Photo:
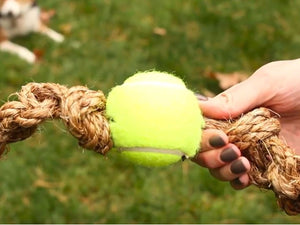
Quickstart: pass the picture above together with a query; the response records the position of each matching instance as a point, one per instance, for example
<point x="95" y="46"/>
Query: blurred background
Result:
<point x="49" y="179"/>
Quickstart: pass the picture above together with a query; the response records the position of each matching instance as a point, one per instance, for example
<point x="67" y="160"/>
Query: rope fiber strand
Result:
<point x="274" y="165"/>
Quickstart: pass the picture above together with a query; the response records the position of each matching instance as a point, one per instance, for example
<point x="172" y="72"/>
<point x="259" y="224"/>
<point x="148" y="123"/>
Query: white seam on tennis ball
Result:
<point x="152" y="150"/>
<point x="155" y="83"/>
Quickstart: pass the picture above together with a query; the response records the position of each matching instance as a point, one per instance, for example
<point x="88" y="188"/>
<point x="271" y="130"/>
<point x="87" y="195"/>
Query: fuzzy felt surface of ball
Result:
<point x="154" y="119"/>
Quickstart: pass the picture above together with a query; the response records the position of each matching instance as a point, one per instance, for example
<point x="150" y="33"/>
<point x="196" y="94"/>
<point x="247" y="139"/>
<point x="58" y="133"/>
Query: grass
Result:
<point x="48" y="179"/>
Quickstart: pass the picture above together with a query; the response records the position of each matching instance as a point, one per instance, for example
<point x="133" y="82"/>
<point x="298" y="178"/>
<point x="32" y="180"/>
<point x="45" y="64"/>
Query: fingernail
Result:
<point x="228" y="155"/>
<point x="201" y="97"/>
<point x="238" y="167"/>
<point x="237" y="182"/>
<point x="216" y="141"/>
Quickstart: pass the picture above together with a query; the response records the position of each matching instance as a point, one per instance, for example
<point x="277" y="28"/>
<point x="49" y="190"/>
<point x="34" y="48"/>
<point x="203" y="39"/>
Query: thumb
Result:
<point x="237" y="99"/>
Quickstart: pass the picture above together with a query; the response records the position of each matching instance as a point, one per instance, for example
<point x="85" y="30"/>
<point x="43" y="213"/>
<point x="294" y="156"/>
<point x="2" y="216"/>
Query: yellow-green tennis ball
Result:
<point x="154" y="119"/>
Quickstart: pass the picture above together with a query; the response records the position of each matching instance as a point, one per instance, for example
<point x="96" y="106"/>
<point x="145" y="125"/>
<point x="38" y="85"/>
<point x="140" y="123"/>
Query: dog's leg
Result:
<point x="22" y="52"/>
<point x="43" y="29"/>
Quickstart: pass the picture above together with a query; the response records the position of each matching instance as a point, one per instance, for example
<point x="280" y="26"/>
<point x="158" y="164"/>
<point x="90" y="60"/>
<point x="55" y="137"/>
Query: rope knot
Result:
<point x="81" y="109"/>
<point x="83" y="112"/>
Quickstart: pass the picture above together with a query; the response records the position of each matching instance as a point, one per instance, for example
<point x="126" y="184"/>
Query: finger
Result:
<point x="201" y="97"/>
<point x="232" y="170"/>
<point x="240" y="182"/>
<point x="237" y="99"/>
<point x="213" y="138"/>
<point x="217" y="157"/>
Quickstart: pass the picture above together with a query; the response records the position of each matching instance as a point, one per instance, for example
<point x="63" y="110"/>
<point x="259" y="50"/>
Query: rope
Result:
<point x="82" y="110"/>
<point x="274" y="165"/>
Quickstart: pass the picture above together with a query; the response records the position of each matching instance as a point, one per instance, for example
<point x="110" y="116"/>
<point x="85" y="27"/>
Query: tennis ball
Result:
<point x="154" y="119"/>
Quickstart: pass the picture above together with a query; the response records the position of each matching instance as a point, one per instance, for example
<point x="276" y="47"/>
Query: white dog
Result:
<point x="20" y="17"/>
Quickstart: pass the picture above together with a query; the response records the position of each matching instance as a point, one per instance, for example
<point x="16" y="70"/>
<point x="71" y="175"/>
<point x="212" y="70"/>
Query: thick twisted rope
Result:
<point x="274" y="165"/>
<point x="81" y="109"/>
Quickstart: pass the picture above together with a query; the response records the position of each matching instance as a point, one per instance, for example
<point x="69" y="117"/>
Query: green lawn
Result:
<point x="49" y="179"/>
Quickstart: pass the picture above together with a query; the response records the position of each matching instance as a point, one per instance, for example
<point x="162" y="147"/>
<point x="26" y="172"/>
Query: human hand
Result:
<point x="276" y="86"/>
<point x="223" y="159"/>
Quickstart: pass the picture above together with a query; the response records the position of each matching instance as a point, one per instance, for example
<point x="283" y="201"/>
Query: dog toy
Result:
<point x="151" y="133"/>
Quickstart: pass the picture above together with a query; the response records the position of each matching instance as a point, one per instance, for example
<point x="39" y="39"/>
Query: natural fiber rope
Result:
<point x="81" y="109"/>
<point x="274" y="165"/>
